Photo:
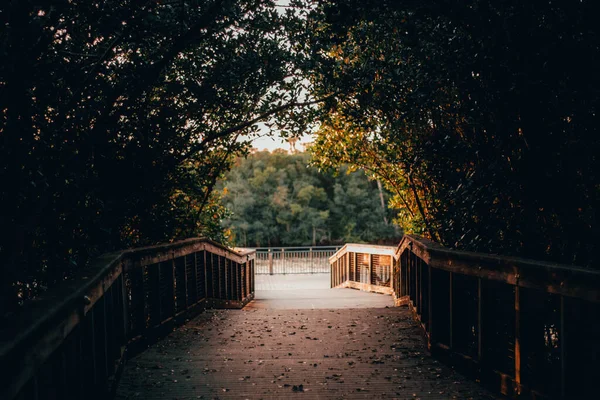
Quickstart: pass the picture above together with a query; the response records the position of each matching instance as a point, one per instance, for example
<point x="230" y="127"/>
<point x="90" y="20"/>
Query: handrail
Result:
<point x="568" y="280"/>
<point x="294" y="248"/>
<point x="362" y="248"/>
<point x="293" y="260"/>
<point x="361" y="266"/>
<point x="112" y="293"/>
<point x="508" y="321"/>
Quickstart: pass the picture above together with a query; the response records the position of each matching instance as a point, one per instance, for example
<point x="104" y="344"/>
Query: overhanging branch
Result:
<point x="226" y="132"/>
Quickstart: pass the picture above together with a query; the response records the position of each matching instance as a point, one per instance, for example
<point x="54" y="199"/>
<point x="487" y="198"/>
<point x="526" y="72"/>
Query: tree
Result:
<point x="478" y="116"/>
<point x="278" y="199"/>
<point x="118" y="117"/>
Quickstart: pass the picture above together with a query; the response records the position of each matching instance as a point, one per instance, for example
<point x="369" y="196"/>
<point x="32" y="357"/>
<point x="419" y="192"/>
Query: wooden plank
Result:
<point x="517" y="341"/>
<point x="363" y="248"/>
<point x="451" y="309"/>
<point x="367" y="287"/>
<point x="571" y="281"/>
<point x="328" y="356"/>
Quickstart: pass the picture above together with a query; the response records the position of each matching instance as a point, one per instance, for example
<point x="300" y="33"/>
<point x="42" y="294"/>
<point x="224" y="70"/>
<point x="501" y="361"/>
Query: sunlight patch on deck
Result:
<point x="286" y="292"/>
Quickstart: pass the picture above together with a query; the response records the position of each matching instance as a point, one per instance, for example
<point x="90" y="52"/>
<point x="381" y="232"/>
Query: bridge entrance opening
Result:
<point x="300" y="278"/>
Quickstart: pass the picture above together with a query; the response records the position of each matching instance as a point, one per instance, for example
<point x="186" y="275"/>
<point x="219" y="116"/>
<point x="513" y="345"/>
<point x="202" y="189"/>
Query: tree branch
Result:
<point x="226" y="132"/>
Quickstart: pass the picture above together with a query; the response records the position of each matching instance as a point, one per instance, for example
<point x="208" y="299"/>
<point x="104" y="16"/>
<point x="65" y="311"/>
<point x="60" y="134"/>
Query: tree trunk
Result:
<point x="380" y="189"/>
<point x="413" y="187"/>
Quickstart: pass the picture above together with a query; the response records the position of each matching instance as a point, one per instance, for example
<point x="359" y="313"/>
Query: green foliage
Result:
<point x="480" y="116"/>
<point x="118" y="117"/>
<point x="276" y="199"/>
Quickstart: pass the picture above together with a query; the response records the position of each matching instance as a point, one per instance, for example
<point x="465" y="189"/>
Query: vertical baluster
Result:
<point x="417" y="284"/>
<point x="227" y="277"/>
<point x="429" y="305"/>
<point x="219" y="275"/>
<point x="563" y="349"/>
<point x="239" y="281"/>
<point x="171" y="309"/>
<point x="241" y="276"/>
<point x="111" y="314"/>
<point x="356" y="269"/>
<point x="479" y="324"/>
<point x="185" y="291"/>
<point x="347" y="266"/>
<point x="517" y="339"/>
<point x="451" y="309"/>
<point x="153" y="295"/>
<point x="137" y="302"/>
<point x="205" y="270"/>
<point x="331" y="274"/>
<point x="248" y="278"/>
<point x="252" y="276"/>
<point x="233" y="280"/>
<point x="421" y="288"/>
<point x="100" y="340"/>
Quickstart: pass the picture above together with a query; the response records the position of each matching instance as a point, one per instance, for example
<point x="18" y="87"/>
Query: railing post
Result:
<point x="451" y="299"/>
<point x="392" y="274"/>
<point x="563" y="349"/>
<point x="205" y="275"/>
<point x="125" y="304"/>
<point x="311" y="261"/>
<point x="252" y="277"/>
<point x="419" y="271"/>
<point x="283" y="263"/>
<point x="429" y="306"/>
<point x="185" y="279"/>
<point x="333" y="273"/>
<point x="227" y="276"/>
<point x="270" y="259"/>
<point x="517" y="339"/>
<point x="335" y="269"/>
<point x="370" y="269"/>
<point x="356" y="278"/>
<point x="399" y="288"/>
<point x="479" y="324"/>
<point x="347" y="260"/>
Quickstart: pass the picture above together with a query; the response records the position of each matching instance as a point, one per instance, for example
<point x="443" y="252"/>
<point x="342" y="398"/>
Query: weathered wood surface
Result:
<point x="263" y="353"/>
<point x="566" y="280"/>
<point x="69" y="342"/>
<point x="276" y="352"/>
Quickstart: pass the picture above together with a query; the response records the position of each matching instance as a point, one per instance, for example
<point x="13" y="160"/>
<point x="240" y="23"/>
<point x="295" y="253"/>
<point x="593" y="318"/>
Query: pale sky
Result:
<point x="272" y="143"/>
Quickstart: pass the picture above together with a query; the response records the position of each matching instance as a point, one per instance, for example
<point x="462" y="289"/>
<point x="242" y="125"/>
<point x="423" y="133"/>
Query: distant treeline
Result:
<point x="276" y="199"/>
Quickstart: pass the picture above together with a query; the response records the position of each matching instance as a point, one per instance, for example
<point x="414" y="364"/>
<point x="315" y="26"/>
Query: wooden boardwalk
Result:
<point x="321" y="349"/>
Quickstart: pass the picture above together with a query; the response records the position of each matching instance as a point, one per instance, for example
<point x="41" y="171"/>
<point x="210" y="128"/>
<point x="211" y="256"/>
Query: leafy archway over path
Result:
<point x="117" y="118"/>
<point x="481" y="116"/>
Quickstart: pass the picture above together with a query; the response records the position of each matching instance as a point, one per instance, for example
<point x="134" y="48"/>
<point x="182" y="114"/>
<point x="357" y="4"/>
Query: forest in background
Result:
<point x="118" y="119"/>
<point x="278" y="199"/>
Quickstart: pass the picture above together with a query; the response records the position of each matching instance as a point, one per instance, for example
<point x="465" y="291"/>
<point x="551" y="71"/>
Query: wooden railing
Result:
<point x="364" y="267"/>
<point x="293" y="260"/>
<point x="525" y="328"/>
<point x="71" y="342"/>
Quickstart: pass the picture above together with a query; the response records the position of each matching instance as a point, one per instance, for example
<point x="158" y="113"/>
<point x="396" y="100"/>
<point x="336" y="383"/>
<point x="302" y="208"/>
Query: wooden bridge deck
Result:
<point x="321" y="349"/>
